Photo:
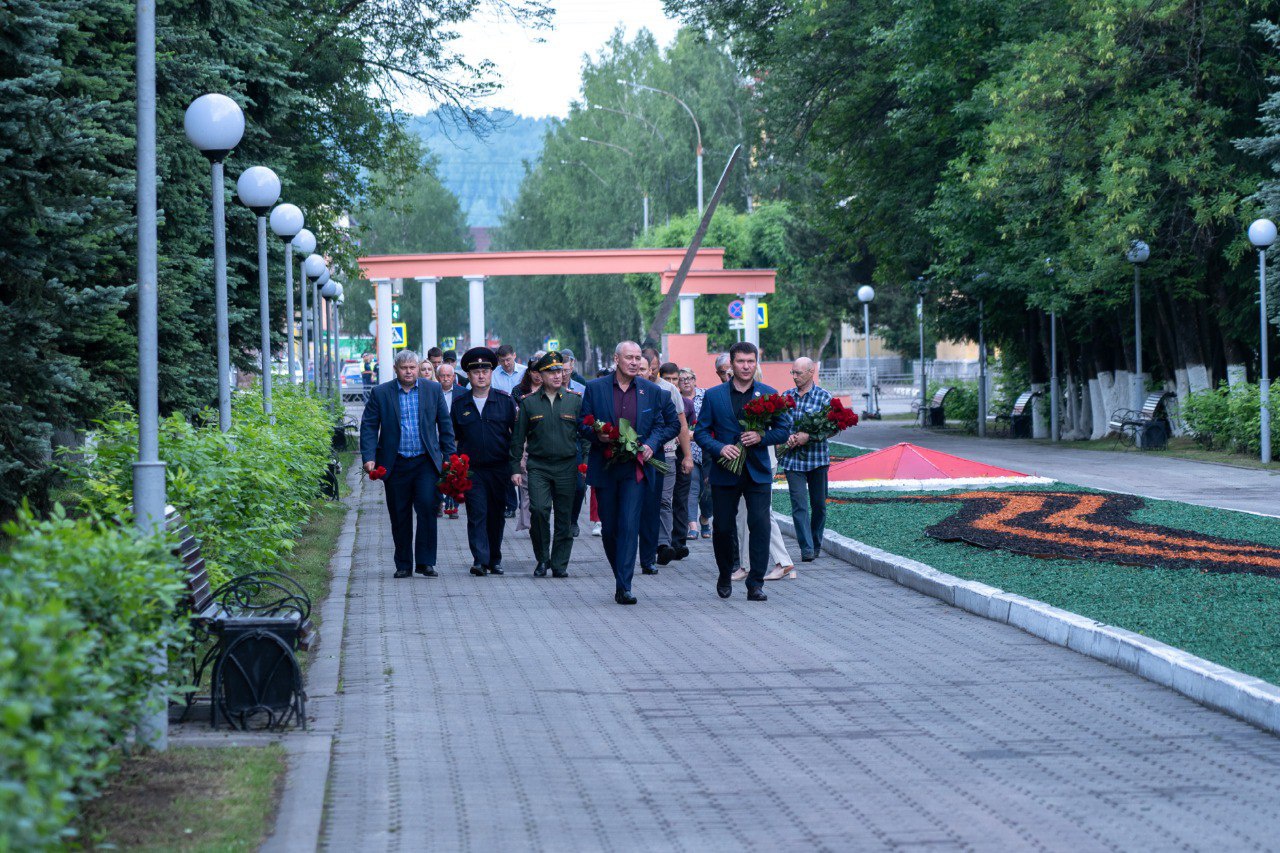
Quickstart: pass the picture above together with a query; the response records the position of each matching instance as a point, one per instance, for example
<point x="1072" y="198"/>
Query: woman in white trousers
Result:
<point x="783" y="565"/>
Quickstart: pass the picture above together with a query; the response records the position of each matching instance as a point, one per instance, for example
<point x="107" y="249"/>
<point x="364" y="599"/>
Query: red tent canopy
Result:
<point x="909" y="462"/>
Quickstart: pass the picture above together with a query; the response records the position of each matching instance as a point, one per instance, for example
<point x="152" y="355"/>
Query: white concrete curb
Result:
<point x="1244" y="696"/>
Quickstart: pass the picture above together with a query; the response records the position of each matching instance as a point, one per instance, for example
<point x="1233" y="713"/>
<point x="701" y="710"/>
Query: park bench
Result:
<point x="935" y="412"/>
<point x="1148" y="428"/>
<point x="256" y="623"/>
<point x="1018" y="420"/>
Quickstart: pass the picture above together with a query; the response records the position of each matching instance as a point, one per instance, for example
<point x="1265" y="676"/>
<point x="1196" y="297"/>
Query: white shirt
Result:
<point x="480" y="401"/>
<point x="448" y="399"/>
<point x="677" y="400"/>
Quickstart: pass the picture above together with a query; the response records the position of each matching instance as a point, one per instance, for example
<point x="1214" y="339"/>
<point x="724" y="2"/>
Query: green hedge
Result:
<point x="245" y="493"/>
<point x="1230" y="417"/>
<point x="84" y="605"/>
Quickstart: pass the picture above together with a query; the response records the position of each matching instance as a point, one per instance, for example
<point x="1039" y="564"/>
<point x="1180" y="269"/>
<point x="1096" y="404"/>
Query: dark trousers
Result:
<point x="620" y="503"/>
<point x="410" y="488"/>
<point x="808" y="491"/>
<point x="485" y="521"/>
<point x="651" y="519"/>
<point x="724" y="536"/>
<point x="512" y="499"/>
<point x="579" y="495"/>
<point x="680" y="502"/>
<point x="704" y="486"/>
<point x="551" y="486"/>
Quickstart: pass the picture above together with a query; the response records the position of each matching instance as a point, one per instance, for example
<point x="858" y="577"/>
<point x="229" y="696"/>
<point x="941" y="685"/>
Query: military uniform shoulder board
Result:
<point x="571" y="391"/>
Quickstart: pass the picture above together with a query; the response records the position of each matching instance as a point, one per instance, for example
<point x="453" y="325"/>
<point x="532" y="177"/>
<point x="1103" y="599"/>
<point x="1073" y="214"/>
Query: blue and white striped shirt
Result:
<point x="410" y="435"/>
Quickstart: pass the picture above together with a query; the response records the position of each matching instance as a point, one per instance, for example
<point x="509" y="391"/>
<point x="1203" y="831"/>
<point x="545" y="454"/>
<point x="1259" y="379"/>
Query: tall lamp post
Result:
<point x="286" y="222"/>
<point x="866" y="294"/>
<point x="979" y="280"/>
<point x="322" y="330"/>
<point x="697" y="129"/>
<point x="304" y="242"/>
<point x="1137" y="255"/>
<point x="258" y="189"/>
<point x="922" y="285"/>
<point x="215" y="125"/>
<point x="1262" y="233"/>
<point x="330" y="293"/>
<point x="313" y="267"/>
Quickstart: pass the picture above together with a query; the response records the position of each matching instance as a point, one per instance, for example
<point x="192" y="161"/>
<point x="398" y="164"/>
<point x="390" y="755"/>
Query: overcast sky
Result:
<point x="540" y="78"/>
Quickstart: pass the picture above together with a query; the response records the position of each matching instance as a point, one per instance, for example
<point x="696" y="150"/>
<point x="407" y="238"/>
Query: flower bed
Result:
<point x="1232" y="618"/>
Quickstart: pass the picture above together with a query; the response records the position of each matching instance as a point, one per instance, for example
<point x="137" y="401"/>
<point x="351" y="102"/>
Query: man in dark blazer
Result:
<point x="406" y="429"/>
<point x="718" y="433"/>
<point x="620" y="489"/>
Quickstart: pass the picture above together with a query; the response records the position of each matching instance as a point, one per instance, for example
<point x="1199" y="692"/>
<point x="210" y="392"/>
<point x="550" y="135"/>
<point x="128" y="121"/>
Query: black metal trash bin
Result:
<point x="1154" y="435"/>
<point x="937" y="416"/>
<point x="1020" y="426"/>
<point x="255" y="673"/>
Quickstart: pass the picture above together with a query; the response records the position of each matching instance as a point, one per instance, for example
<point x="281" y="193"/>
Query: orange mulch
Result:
<point x="1087" y="526"/>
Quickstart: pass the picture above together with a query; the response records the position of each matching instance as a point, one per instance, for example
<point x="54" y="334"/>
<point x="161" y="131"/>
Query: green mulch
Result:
<point x="840" y="450"/>
<point x="1231" y="619"/>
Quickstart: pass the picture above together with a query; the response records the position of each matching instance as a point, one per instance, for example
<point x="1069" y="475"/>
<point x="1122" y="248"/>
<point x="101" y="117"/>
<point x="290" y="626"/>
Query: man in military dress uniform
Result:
<point x="483" y="419"/>
<point x="548" y="423"/>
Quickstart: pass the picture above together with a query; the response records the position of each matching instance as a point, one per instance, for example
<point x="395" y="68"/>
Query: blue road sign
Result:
<point x="735" y="309"/>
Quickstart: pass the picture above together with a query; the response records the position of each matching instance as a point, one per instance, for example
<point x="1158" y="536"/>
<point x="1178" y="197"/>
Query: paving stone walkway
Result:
<point x="847" y="713"/>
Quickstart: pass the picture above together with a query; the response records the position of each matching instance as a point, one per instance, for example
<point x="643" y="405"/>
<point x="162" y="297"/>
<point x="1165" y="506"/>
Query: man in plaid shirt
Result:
<point x="807" y="462"/>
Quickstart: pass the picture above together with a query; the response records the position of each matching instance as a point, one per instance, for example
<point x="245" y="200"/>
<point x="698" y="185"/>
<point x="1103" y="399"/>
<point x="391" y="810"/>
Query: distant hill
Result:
<point x="484" y="173"/>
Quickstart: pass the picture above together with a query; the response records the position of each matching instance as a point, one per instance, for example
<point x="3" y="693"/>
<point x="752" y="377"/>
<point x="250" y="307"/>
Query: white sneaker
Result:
<point x="598" y="530"/>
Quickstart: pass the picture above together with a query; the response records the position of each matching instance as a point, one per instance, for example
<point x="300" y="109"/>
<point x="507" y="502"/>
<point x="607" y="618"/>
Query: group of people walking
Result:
<point x="666" y="461"/>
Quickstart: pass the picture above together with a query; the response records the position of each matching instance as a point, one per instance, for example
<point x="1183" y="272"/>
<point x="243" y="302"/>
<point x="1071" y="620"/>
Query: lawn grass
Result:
<point x="1231" y="619"/>
<point x="189" y="799"/>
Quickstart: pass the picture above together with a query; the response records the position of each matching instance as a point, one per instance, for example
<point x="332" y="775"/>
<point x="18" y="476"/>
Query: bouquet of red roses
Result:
<point x="757" y="416"/>
<point x="821" y="425"/>
<point x="378" y="473"/>
<point x="454" y="481"/>
<point x="621" y="443"/>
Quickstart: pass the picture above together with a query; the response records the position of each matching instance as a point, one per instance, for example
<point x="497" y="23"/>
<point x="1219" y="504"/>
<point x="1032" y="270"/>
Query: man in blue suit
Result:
<point x="718" y="433"/>
<point x="406" y="429"/>
<point x="621" y="489"/>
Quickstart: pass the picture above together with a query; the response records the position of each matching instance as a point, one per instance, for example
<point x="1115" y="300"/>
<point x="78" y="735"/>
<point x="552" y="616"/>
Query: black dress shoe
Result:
<point x="666" y="554"/>
<point x="682" y="551"/>
<point x="540" y="570"/>
<point x="478" y="571"/>
<point x="649" y="570"/>
<point x="402" y="573"/>
<point x="427" y="571"/>
<point x="808" y="558"/>
<point x="562" y="573"/>
<point x="495" y="569"/>
<point x="756" y="595"/>
<point x="624" y="598"/>
<point x="724" y="587"/>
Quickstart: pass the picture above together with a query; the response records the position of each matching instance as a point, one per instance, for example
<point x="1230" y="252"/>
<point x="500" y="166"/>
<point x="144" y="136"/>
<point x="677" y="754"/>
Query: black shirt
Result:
<point x="738" y="399"/>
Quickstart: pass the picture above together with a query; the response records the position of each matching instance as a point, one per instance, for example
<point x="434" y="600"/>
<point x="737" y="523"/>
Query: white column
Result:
<point x="430" y="332"/>
<point x="382" y="296"/>
<point x="750" y="312"/>
<point x="476" y="284"/>
<point x="686" y="313"/>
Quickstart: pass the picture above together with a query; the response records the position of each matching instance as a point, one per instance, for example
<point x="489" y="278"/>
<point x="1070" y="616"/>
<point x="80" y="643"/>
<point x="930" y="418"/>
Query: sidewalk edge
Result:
<point x="1244" y="696"/>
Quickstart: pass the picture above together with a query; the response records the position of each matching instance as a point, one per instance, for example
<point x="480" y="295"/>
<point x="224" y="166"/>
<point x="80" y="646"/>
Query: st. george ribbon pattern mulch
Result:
<point x="1085" y="525"/>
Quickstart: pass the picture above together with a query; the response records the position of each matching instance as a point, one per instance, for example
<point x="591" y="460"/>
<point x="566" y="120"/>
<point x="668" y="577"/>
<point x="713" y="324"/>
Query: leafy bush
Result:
<point x="1229" y="417"/>
<point x="245" y="493"/>
<point x="84" y="606"/>
<point x="961" y="404"/>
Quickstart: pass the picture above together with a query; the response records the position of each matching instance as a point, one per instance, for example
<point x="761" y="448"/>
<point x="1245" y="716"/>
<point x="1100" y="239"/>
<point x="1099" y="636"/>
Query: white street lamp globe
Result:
<point x="313" y="266"/>
<point x="214" y="124"/>
<point x="866" y="293"/>
<point x="1138" y="252"/>
<point x="304" y="242"/>
<point x="323" y="278"/>
<point x="286" y="221"/>
<point x="340" y="290"/>
<point x="1262" y="233"/>
<point x="330" y="289"/>
<point x="258" y="188"/>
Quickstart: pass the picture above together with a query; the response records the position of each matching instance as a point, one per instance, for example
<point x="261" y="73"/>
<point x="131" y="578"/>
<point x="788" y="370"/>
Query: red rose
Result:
<point x="589" y="420"/>
<point x="608" y="453"/>
<point x="378" y="473"/>
<point x="582" y="467"/>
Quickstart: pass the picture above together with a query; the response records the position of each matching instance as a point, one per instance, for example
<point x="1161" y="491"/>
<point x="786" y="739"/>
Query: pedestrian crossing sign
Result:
<point x="449" y="343"/>
<point x="399" y="335"/>
<point x="553" y="343"/>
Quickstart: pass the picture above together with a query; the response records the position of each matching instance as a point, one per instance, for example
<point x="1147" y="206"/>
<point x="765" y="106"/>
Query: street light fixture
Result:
<point x="215" y="124"/>
<point x="632" y="155"/>
<point x="258" y="189"/>
<point x="697" y="129"/>
<point x="330" y="292"/>
<point x="304" y="242"/>
<point x="980" y="279"/>
<point x="635" y="116"/>
<point x="1137" y="255"/>
<point x="922" y="287"/>
<point x="866" y="294"/>
<point x="1262" y="233"/>
<point x="286" y="222"/>
<point x="321" y="326"/>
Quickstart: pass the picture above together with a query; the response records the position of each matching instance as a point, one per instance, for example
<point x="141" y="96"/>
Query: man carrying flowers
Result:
<point x="548" y="424"/>
<point x="806" y="459"/>
<point x="740" y="419"/>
